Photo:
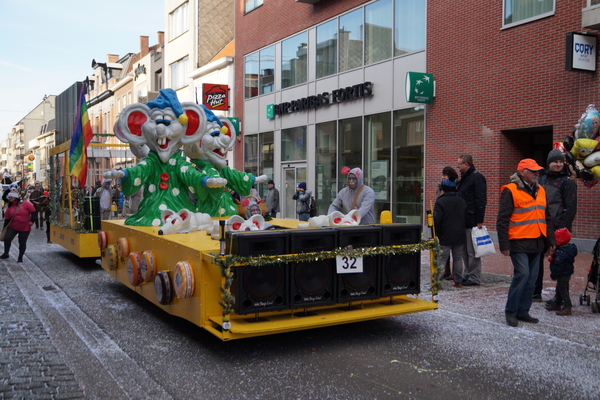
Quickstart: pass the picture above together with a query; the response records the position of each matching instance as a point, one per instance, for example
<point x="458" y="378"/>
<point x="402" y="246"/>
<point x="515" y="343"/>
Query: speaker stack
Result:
<point x="262" y="288"/>
<point x="361" y="286"/>
<point x="401" y="273"/>
<point x="91" y="209"/>
<point x="312" y="283"/>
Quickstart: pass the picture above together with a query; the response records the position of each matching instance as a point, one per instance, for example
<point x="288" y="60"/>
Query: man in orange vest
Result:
<point x="524" y="229"/>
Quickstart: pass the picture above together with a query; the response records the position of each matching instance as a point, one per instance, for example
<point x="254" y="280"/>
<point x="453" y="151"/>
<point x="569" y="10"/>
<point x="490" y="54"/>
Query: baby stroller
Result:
<point x="593" y="283"/>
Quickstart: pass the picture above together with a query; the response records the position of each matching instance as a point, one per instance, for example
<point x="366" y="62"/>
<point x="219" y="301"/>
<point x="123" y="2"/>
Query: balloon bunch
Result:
<point x="582" y="148"/>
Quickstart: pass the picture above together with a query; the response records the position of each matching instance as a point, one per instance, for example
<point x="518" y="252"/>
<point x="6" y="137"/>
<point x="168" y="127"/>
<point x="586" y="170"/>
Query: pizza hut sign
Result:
<point x="215" y="97"/>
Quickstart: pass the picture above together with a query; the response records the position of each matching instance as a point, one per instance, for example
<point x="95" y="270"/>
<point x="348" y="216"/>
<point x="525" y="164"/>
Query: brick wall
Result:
<point x="489" y="80"/>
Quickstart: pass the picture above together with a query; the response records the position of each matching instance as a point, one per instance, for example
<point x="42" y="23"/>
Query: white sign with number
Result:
<point x="349" y="265"/>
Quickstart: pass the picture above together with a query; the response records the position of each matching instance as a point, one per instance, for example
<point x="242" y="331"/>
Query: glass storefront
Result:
<point x="326" y="172"/>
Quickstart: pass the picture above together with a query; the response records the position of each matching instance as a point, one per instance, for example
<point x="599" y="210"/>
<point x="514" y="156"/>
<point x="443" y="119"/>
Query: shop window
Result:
<point x="252" y="4"/>
<point x="351" y="40"/>
<point x="251" y="154"/>
<point x="326" y="172"/>
<point x="293" y="60"/>
<point x="350" y="148"/>
<point x="378" y="142"/>
<point x="178" y="21"/>
<point x="327" y="48"/>
<point x="407" y="167"/>
<point x="521" y="11"/>
<point x="267" y="148"/>
<point x="293" y="144"/>
<point x="179" y="71"/>
<point x="409" y="26"/>
<point x="378" y="31"/>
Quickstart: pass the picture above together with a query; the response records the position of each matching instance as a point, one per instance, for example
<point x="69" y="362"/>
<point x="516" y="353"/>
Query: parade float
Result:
<point x="187" y="251"/>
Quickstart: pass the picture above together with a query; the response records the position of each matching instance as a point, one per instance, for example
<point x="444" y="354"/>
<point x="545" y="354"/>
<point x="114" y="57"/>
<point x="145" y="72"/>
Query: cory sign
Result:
<point x="582" y="50"/>
<point x="215" y="97"/>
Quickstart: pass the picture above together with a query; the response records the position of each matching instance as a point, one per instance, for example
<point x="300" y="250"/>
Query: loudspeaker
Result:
<point x="259" y="289"/>
<point x="91" y="210"/>
<point x="312" y="283"/>
<point x="365" y="285"/>
<point x="262" y="288"/>
<point x="401" y="273"/>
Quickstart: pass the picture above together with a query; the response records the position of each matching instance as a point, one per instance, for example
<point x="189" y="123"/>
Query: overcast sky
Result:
<point x="47" y="45"/>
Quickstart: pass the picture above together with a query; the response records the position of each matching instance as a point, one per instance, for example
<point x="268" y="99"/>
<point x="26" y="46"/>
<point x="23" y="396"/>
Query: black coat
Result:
<point x="561" y="195"/>
<point x="472" y="187"/>
<point x="563" y="259"/>
<point x="449" y="219"/>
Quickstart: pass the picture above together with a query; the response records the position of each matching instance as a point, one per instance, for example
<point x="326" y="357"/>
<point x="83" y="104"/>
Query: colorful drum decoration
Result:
<point x="123" y="246"/>
<point x="134" y="272"/>
<point x="162" y="288"/>
<point x="184" y="280"/>
<point x="102" y="240"/>
<point x="111" y="256"/>
<point x="148" y="266"/>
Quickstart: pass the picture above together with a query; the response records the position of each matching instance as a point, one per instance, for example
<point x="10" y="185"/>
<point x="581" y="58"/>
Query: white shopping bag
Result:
<point x="482" y="243"/>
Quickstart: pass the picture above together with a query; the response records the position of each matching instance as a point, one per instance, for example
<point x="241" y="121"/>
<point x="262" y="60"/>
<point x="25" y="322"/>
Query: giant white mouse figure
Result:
<point x="163" y="125"/>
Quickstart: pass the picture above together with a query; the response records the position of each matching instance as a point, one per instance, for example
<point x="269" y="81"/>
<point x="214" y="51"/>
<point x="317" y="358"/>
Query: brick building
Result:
<point x="502" y="94"/>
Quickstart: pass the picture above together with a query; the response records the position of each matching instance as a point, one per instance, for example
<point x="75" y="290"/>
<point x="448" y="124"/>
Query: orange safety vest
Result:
<point x="528" y="220"/>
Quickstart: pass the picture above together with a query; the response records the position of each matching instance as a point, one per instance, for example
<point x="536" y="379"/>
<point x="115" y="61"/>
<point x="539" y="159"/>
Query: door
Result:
<point x="292" y="176"/>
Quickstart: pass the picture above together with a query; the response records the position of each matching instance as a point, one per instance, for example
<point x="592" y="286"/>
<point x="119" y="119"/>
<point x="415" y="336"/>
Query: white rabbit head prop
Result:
<point x="336" y="218"/>
<point x="215" y="144"/>
<point x="184" y="221"/>
<point x="163" y="125"/>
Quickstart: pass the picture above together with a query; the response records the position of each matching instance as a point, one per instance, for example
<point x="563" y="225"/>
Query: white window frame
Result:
<point x="252" y="4"/>
<point x="526" y="20"/>
<point x="179" y="71"/>
<point x="178" y="21"/>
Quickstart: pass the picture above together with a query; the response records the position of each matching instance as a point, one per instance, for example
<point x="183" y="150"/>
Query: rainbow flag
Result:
<point x="82" y="136"/>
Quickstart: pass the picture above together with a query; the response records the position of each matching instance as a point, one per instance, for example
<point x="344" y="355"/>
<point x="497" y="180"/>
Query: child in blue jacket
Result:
<point x="561" y="269"/>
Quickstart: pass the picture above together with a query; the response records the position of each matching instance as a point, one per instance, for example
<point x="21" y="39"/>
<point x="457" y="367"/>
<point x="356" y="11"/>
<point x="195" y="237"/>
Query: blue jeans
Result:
<point x="520" y="293"/>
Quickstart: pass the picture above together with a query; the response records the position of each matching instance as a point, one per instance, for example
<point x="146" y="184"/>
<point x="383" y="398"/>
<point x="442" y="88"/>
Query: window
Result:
<point x="251" y="75"/>
<point x="378" y="140"/>
<point x="267" y="70"/>
<point x="251" y="154"/>
<point x="252" y="4"/>
<point x="526" y="10"/>
<point x="350" y="148"/>
<point x="293" y="144"/>
<point x="179" y="70"/>
<point x="326" y="179"/>
<point x="327" y="48"/>
<point x="267" y="150"/>
<point x="378" y="31"/>
<point x="293" y="60"/>
<point x="179" y="21"/>
<point x="409" y="27"/>
<point x="351" y="40"/>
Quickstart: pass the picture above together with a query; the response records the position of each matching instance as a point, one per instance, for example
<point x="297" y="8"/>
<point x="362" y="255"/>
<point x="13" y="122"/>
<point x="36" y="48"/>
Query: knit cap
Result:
<point x="448" y="185"/>
<point x="555" y="155"/>
<point x="302" y="185"/>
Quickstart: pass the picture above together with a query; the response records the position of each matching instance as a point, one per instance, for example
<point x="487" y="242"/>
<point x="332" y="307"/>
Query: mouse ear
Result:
<point x="196" y="123"/>
<point x="128" y="127"/>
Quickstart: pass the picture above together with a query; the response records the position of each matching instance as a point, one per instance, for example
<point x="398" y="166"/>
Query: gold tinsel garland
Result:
<point x="226" y="262"/>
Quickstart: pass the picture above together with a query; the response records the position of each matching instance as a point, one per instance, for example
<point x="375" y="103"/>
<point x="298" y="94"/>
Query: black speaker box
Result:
<point x="401" y="273"/>
<point x="312" y="283"/>
<point x="257" y="243"/>
<point x="262" y="288"/>
<point x="91" y="211"/>
<point x="362" y="286"/>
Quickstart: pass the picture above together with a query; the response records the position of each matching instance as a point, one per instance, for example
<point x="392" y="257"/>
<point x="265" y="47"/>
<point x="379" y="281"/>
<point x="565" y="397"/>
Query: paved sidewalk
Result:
<point x="30" y="365"/>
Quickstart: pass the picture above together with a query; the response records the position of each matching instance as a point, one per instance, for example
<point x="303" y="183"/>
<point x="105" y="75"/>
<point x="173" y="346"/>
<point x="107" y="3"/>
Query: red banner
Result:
<point x="215" y="97"/>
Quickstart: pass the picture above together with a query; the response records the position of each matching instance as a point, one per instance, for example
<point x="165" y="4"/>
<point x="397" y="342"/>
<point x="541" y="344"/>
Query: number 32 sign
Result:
<point x="349" y="265"/>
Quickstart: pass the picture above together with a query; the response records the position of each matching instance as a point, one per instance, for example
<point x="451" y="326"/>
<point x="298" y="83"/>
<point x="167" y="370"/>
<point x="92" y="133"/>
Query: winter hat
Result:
<point x="14" y="186"/>
<point x="302" y="185"/>
<point x="448" y="185"/>
<point x="270" y="182"/>
<point x="167" y="98"/>
<point x="555" y="155"/>
<point x="13" y="194"/>
<point x="562" y="236"/>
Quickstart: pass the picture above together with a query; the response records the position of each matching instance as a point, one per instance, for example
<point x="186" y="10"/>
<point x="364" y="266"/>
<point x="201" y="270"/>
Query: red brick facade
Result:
<point x="489" y="80"/>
